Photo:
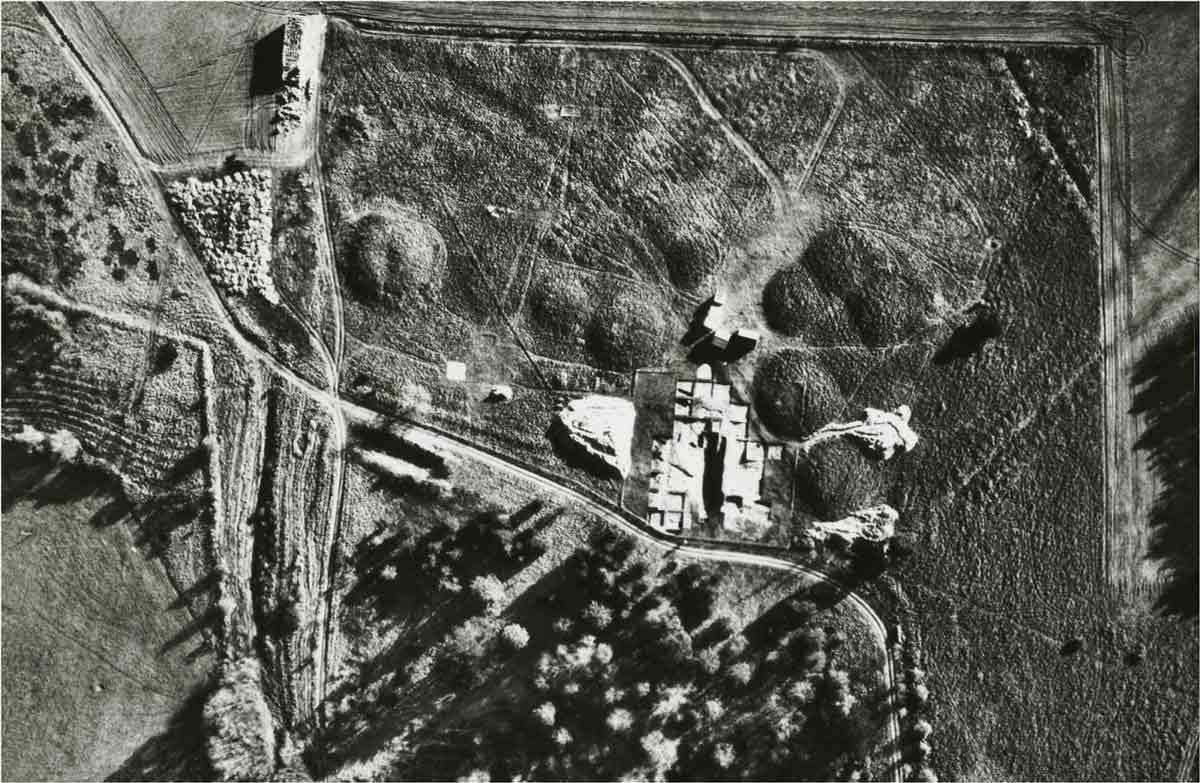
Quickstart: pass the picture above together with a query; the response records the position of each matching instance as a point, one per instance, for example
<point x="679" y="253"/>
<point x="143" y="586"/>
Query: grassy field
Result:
<point x="100" y="652"/>
<point x="426" y="688"/>
<point x="544" y="215"/>
<point x="73" y="217"/>
<point x="920" y="194"/>
<point x="195" y="76"/>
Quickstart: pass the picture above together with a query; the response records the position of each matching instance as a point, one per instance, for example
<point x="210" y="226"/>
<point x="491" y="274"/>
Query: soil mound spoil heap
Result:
<point x="628" y="332"/>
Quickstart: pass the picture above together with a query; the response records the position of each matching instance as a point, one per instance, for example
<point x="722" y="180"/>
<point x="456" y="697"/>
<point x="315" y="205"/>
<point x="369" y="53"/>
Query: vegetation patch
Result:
<point x="557" y="647"/>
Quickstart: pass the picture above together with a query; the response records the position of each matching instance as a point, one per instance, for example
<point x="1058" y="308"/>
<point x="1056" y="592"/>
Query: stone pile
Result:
<point x="876" y="524"/>
<point x="599" y="431"/>
<point x="229" y="222"/>
<point x="292" y="99"/>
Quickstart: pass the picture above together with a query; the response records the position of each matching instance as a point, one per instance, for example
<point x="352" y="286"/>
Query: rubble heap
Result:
<point x="229" y="223"/>
<point x="292" y="99"/>
<point x="599" y="430"/>
<point x="876" y="524"/>
<point x="883" y="433"/>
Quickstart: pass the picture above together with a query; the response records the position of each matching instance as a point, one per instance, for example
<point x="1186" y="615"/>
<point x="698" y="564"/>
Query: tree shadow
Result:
<point x="1164" y="380"/>
<point x="969" y="339"/>
<point x="178" y="753"/>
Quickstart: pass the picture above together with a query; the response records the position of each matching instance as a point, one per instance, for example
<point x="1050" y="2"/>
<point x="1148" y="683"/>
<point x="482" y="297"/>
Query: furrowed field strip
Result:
<point x="87" y="33"/>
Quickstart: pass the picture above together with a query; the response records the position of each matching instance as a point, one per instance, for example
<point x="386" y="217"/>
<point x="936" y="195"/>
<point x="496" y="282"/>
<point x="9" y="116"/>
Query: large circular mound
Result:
<point x="690" y="261"/>
<point x="559" y="306"/>
<point x="628" y="331"/>
<point x="793" y="394"/>
<point x="393" y="255"/>
<point x="842" y="259"/>
<point x="845" y="287"/>
<point x="889" y="310"/>
<point x="794" y="306"/>
<point x="835" y="479"/>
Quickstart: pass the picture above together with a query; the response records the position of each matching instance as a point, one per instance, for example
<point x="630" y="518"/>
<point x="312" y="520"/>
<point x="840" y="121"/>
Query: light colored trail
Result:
<point x="778" y="192"/>
<point x="834" y="114"/>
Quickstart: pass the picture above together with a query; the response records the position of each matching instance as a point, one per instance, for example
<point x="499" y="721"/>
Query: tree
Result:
<point x="741" y="673"/>
<point x="597" y="615"/>
<point x="723" y="755"/>
<point x="515" y="636"/>
<point x="545" y="713"/>
<point x="489" y="591"/>
<point x="619" y="720"/>
<point x="661" y="753"/>
<point x="64" y="446"/>
<point x="239" y="730"/>
<point x="710" y="660"/>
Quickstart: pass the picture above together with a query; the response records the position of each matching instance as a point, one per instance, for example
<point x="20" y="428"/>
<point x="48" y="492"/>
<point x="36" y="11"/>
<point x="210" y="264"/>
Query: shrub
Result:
<point x="239" y="732"/>
<point x="515" y="636"/>
<point x="490" y="593"/>
<point x="741" y="673"/>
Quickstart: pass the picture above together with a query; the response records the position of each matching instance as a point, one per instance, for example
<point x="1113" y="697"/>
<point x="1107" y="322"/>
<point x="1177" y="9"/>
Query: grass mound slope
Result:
<point x="794" y="395"/>
<point x="627" y="332"/>
<point x="393" y="256"/>
<point x="847" y="287"/>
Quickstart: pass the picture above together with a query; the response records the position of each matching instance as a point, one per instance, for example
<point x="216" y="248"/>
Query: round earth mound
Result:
<point x="889" y="310"/>
<point x="844" y="287"/>
<point x="393" y="255"/>
<point x="559" y="306"/>
<point x="689" y="261"/>
<point x="628" y="331"/>
<point x="835" y="479"/>
<point x="793" y="395"/>
<point x="794" y="306"/>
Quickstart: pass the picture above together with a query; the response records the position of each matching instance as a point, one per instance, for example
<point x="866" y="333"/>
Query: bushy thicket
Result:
<point x="635" y="677"/>
<point x="239" y="730"/>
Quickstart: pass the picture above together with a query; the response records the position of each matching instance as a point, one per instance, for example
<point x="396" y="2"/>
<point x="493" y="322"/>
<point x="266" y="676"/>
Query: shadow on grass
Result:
<point x="1165" y="384"/>
<point x="177" y="753"/>
<point x="483" y="715"/>
<point x="416" y="590"/>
